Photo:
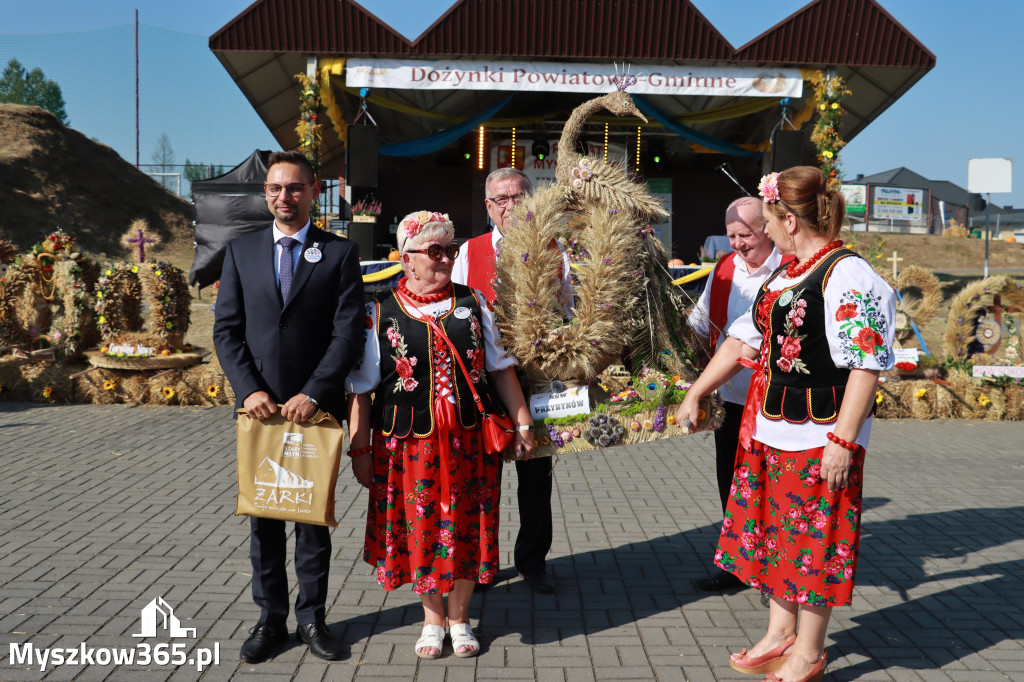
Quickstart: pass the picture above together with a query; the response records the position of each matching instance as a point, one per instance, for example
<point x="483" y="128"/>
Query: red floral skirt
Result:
<point x="784" y="533"/>
<point x="410" y="536"/>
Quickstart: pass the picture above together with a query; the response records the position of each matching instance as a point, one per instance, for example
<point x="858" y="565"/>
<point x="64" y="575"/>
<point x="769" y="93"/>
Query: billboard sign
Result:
<point x="895" y="203"/>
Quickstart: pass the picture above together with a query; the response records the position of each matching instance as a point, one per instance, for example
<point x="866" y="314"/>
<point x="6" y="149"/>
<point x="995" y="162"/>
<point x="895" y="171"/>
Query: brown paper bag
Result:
<point x="288" y="471"/>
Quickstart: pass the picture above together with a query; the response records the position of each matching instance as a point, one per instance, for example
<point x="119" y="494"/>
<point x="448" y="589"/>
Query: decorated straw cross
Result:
<point x="894" y="260"/>
<point x="137" y="237"/>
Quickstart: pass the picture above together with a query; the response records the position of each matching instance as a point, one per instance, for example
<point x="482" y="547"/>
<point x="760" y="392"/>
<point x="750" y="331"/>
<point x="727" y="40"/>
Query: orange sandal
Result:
<point x="755" y="665"/>
<point x="817" y="672"/>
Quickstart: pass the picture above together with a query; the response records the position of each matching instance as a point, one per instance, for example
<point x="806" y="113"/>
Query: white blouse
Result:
<point x="742" y="291"/>
<point x="859" y="308"/>
<point x="366" y="376"/>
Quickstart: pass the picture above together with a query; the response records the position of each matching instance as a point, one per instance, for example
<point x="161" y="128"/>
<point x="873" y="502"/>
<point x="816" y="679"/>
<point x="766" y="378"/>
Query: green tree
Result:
<point x="18" y="86"/>
<point x="201" y="171"/>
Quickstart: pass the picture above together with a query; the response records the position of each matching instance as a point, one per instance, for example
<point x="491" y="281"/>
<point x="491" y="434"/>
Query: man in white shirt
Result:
<point x="729" y="294"/>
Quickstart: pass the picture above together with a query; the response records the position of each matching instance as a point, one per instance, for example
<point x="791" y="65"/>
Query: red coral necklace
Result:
<point x="793" y="270"/>
<point x="424" y="298"/>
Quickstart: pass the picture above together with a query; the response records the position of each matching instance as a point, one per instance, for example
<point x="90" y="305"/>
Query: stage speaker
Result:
<point x="361" y="156"/>
<point x="788" y="150"/>
<point x="363" y="235"/>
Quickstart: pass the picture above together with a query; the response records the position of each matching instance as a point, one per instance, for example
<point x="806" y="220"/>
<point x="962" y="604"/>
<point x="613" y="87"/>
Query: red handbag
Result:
<point x="498" y="430"/>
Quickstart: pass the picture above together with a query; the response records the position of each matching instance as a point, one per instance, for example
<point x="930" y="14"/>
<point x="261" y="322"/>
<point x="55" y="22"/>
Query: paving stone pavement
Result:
<point x="105" y="508"/>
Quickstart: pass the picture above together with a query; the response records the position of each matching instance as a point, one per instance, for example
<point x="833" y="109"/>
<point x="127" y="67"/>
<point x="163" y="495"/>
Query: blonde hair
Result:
<point x="430" y="226"/>
<point x="804" y="192"/>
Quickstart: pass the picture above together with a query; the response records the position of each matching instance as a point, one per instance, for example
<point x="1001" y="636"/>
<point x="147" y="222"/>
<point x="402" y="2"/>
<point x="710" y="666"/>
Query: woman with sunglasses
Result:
<point x="417" y="444"/>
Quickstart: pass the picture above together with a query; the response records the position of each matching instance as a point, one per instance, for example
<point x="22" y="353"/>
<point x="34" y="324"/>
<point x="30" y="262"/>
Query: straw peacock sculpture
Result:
<point x="624" y="305"/>
<point x="590" y="181"/>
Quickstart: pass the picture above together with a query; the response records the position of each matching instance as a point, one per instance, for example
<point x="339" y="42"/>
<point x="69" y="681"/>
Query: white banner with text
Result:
<point x="656" y="79"/>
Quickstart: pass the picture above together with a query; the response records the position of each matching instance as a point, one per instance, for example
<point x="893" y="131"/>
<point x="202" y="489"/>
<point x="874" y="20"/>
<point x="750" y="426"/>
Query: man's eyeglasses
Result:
<point x="435" y="251"/>
<point x="292" y="189"/>
<point x="505" y="201"/>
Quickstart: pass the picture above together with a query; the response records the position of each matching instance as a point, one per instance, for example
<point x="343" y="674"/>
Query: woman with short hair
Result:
<point x="418" y="445"/>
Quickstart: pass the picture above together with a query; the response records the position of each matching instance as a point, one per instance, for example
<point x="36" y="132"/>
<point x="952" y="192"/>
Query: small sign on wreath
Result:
<point x="572" y="401"/>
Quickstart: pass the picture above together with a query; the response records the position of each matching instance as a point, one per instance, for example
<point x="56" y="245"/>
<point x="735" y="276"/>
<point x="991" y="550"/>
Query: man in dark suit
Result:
<point x="289" y="327"/>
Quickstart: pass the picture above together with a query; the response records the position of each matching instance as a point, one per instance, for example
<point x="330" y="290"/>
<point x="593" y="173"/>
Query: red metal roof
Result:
<point x="825" y="32"/>
<point x="309" y="26"/>
<point x="838" y="32"/>
<point x="662" y="29"/>
<point x="658" y="29"/>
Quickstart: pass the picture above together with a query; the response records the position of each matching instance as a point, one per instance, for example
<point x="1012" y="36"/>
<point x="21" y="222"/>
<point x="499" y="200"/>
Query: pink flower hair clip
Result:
<point x="413" y="226"/>
<point x="768" y="188"/>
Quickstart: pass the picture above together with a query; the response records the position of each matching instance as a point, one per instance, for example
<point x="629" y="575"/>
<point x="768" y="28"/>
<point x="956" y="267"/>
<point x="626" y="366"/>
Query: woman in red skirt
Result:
<point x="819" y="333"/>
<point x="434" y="489"/>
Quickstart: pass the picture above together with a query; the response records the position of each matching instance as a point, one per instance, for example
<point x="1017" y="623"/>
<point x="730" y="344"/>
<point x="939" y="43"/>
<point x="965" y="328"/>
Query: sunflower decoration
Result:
<point x="309" y="129"/>
<point x="213" y="390"/>
<point x="829" y="93"/>
<point x="109" y="385"/>
<point x="167" y="392"/>
<point x="47" y="392"/>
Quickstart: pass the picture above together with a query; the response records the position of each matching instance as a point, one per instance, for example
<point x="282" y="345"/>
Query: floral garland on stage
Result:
<point x="829" y="93"/>
<point x="309" y="129"/>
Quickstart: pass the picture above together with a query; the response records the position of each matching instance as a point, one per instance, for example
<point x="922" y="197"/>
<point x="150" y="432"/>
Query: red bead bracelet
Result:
<point x="852" y="447"/>
<point x="360" y="451"/>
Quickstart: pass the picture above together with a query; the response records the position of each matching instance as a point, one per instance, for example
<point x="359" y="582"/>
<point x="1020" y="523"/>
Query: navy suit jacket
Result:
<point x="307" y="345"/>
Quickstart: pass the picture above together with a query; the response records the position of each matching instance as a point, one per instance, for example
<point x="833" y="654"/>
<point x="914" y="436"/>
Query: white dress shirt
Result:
<point x="300" y="237"/>
<point x="745" y="284"/>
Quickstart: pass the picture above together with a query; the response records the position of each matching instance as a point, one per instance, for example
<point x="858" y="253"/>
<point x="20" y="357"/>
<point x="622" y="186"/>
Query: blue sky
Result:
<point x="968" y="106"/>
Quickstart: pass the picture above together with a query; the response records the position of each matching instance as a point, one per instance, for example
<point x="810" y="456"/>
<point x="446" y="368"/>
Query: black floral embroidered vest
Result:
<point x="403" y="404"/>
<point x="802" y="379"/>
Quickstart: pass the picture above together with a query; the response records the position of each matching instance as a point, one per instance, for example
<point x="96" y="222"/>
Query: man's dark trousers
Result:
<point x="727" y="439"/>
<point x="268" y="552"/>
<point x="534" y="539"/>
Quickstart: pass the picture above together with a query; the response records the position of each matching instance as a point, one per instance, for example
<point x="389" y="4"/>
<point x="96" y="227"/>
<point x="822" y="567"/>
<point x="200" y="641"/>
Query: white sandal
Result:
<point x="432" y="637"/>
<point x="462" y="636"/>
